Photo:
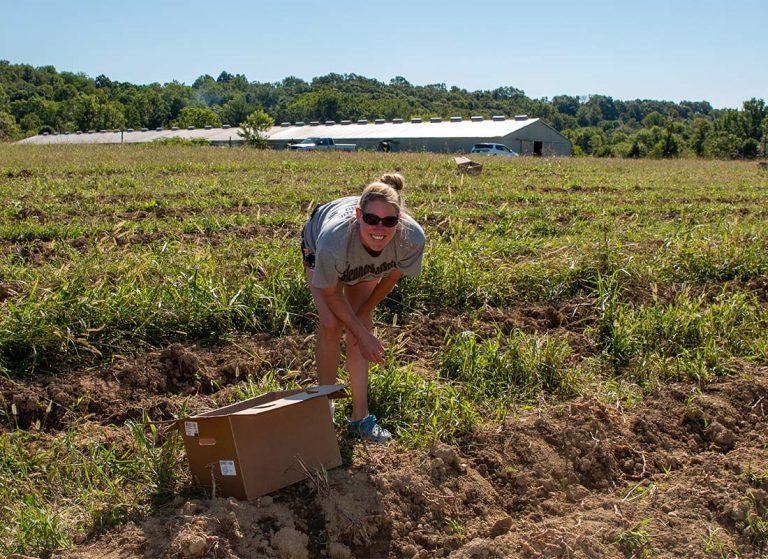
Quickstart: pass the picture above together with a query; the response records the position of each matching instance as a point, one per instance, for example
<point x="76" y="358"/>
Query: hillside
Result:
<point x="35" y="100"/>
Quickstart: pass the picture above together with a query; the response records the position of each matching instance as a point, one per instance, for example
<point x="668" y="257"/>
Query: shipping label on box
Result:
<point x="190" y="429"/>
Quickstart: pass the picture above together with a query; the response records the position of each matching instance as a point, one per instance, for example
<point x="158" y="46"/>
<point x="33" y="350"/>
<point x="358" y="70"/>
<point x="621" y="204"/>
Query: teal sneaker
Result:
<point x="369" y="430"/>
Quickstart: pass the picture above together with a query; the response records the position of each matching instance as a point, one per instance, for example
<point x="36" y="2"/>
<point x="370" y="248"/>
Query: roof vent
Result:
<point x="397" y="120"/>
<point x="330" y="122"/>
<point x="362" y="121"/>
<point x="285" y="124"/>
<point x="190" y="127"/>
<point x="225" y="126"/>
<point x="345" y="122"/>
<point x="521" y="117"/>
<point x="477" y="119"/>
<point x="456" y="119"/>
<point x="435" y="119"/>
<point x="300" y="123"/>
<point x="498" y="118"/>
<point x="416" y="120"/>
<point x="379" y="121"/>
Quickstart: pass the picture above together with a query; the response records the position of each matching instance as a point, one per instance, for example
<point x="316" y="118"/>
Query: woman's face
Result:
<point x="376" y="237"/>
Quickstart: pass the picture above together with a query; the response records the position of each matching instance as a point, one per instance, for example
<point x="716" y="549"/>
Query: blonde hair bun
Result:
<point x="395" y="180"/>
<point x="386" y="189"/>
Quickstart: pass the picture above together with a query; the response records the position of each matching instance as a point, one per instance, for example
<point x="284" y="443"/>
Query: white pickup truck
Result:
<point x="312" y="144"/>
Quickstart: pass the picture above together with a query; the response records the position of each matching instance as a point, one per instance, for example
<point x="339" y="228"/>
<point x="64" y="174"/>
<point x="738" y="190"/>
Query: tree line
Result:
<point x="41" y="99"/>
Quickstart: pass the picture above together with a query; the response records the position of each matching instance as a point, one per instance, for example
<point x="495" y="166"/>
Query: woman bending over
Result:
<point x="355" y="250"/>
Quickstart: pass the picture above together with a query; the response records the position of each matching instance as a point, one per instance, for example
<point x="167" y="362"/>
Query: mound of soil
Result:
<point x="683" y="473"/>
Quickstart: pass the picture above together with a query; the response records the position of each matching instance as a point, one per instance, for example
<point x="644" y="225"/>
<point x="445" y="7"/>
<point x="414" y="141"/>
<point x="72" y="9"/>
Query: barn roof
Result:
<point x="397" y="128"/>
<point x="455" y="127"/>
<point x="130" y="136"/>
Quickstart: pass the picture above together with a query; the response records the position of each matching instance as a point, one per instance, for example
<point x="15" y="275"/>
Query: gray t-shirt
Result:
<point x="333" y="235"/>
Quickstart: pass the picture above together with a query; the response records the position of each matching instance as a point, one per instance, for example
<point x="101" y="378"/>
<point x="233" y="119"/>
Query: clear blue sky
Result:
<point x="715" y="51"/>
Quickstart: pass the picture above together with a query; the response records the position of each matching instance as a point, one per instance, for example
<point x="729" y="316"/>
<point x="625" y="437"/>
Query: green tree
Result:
<point x="86" y="108"/>
<point x="199" y="117"/>
<point x="102" y="81"/>
<point x="31" y="123"/>
<point x="176" y="97"/>
<point x="254" y="129"/>
<point x="667" y="147"/>
<point x="24" y="108"/>
<point x="749" y="148"/>
<point x="237" y="110"/>
<point x="566" y="104"/>
<point x="5" y="100"/>
<point x="562" y="122"/>
<point x="700" y="131"/>
<point x="146" y="108"/>
<point x="8" y="127"/>
<point x="765" y="137"/>
<point x="110" y="115"/>
<point x="754" y="113"/>
<point x="697" y="108"/>
<point x="322" y="105"/>
<point x="723" y="145"/>
<point x="591" y="141"/>
<point x="654" y="119"/>
<point x="506" y="92"/>
<point x="210" y="91"/>
<point x="89" y="113"/>
<point x="596" y="109"/>
<point x="732" y="122"/>
<point x="634" y="150"/>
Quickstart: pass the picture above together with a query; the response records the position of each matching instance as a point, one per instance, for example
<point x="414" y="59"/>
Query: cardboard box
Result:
<point x="466" y="166"/>
<point x="259" y="445"/>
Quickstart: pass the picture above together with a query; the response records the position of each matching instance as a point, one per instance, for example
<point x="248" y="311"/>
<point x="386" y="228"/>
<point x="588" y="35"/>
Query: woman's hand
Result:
<point x="370" y="347"/>
<point x="358" y="322"/>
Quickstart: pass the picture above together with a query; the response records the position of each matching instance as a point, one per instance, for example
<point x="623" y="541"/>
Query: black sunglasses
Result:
<point x="387" y="221"/>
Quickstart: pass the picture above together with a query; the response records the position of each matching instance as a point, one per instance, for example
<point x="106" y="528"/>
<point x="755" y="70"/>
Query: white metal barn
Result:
<point x="527" y="136"/>
<point x="219" y="136"/>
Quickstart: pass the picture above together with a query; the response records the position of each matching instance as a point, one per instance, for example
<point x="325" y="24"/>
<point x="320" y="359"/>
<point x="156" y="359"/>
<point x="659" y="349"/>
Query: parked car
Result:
<point x="312" y="144"/>
<point x="494" y="149"/>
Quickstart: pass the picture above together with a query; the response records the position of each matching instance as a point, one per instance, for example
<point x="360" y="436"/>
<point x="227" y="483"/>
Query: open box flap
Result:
<point x="290" y="398"/>
<point x="272" y="400"/>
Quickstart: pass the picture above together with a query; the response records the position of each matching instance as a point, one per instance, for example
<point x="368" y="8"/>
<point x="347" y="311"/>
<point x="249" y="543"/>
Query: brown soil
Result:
<point x="683" y="473"/>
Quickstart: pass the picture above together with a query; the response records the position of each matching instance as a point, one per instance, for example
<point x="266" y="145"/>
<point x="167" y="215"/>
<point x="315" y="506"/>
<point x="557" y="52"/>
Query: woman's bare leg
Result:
<point x="328" y="341"/>
<point x="357" y="365"/>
